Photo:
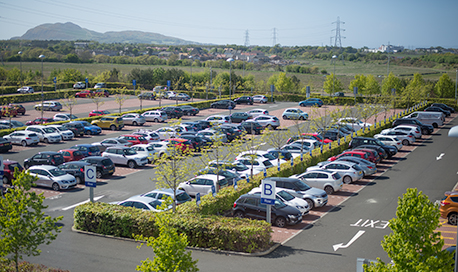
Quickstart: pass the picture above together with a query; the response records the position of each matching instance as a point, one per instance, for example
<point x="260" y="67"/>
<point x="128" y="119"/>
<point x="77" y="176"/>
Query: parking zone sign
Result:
<point x="268" y="192"/>
<point x="89" y="176"/>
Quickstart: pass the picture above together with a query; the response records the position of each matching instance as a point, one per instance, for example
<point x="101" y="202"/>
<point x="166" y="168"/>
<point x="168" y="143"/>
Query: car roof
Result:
<point x="47" y="167"/>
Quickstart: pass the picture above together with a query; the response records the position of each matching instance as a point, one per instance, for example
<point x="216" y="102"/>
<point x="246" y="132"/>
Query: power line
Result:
<point x="247" y="39"/>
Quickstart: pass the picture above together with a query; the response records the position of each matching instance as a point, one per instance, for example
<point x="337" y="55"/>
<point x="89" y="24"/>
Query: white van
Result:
<point x="435" y="119"/>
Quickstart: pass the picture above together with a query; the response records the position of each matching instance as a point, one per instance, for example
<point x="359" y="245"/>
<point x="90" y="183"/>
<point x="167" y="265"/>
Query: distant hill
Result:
<point x="72" y="32"/>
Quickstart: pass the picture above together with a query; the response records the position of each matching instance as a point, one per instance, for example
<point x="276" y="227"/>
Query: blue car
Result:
<point x="90" y="129"/>
<point x="311" y="102"/>
<point x="87" y="149"/>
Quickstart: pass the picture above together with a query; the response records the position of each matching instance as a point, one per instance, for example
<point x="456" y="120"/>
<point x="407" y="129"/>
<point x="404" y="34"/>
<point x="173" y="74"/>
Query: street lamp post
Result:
<point x="190" y="57"/>
<point x="20" y="61"/>
<point x="41" y="57"/>
<point x="334" y="76"/>
<point x="456" y="83"/>
<point x="230" y="60"/>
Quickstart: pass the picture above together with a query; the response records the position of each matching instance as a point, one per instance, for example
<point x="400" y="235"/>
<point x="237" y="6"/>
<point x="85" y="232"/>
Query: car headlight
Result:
<point x="300" y="207"/>
<point x="317" y="196"/>
<point x="291" y="216"/>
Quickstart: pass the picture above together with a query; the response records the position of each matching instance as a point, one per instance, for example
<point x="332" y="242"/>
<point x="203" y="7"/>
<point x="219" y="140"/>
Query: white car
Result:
<point x="267" y="121"/>
<point x="167" y="132"/>
<point x="45" y="133"/>
<point x="259" y="99"/>
<point x="23" y="137"/>
<point x="261" y="154"/>
<point x="406" y="137"/>
<point x="12" y="123"/>
<point x="203" y="184"/>
<point x="234" y="167"/>
<point x="329" y="181"/>
<point x="213" y="135"/>
<point x="25" y="89"/>
<point x="64" y="132"/>
<point x="125" y="156"/>
<point x="256" y="112"/>
<point x="170" y="95"/>
<point x="162" y="148"/>
<point x="53" y="177"/>
<point x="64" y="117"/>
<point x="349" y="171"/>
<point x="143" y="202"/>
<point x="308" y="143"/>
<point x="288" y="199"/>
<point x="112" y="142"/>
<point x="354" y="122"/>
<point x="259" y="164"/>
<point x="414" y="129"/>
<point x="296" y="150"/>
<point x="155" y="116"/>
<point x="389" y="140"/>
<point x="146" y="150"/>
<point x="150" y="136"/>
<point x="79" y="85"/>
<point x="219" y="119"/>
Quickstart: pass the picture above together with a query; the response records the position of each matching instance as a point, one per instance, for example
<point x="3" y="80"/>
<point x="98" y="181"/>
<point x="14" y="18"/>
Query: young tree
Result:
<point x="169" y="248"/>
<point x="332" y="84"/>
<point x="121" y="97"/>
<point x="445" y="87"/>
<point x="277" y="139"/>
<point x="98" y="101"/>
<point x="69" y="102"/>
<point x="391" y="82"/>
<point x="372" y="87"/>
<point x="360" y="82"/>
<point x="23" y="224"/>
<point x="413" y="244"/>
<point x="415" y="90"/>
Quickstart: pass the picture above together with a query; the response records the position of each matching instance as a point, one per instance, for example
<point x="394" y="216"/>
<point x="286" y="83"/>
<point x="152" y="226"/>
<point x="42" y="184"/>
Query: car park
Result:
<point x="244" y="100"/>
<point x="218" y="119"/>
<point x="25" y="89"/>
<point x="77" y="127"/>
<point x="155" y="116"/>
<point x="39" y="121"/>
<point x="350" y="172"/>
<point x="109" y="122"/>
<point x="425" y="128"/>
<point x="255" y="112"/>
<point x="329" y="181"/>
<point x="89" y="129"/>
<point x="87" y="149"/>
<point x="147" y="96"/>
<point x="203" y="184"/>
<point x="250" y="206"/>
<point x="23" y="137"/>
<point x="288" y="199"/>
<point x="259" y="99"/>
<point x="135" y="139"/>
<point x="173" y="112"/>
<point x="162" y="194"/>
<point x="223" y="104"/>
<point x="238" y="117"/>
<point x="125" y="156"/>
<point x="76" y="169"/>
<point x="9" y="166"/>
<point x="267" y="121"/>
<point x="44" y="158"/>
<point x="295" y="114"/>
<point x="79" y="85"/>
<point x="311" y="102"/>
<point x="112" y="142"/>
<point x="64" y="117"/>
<point x="133" y="119"/>
<point x="49" y="106"/>
<point x="104" y="166"/>
<point x="189" y="110"/>
<point x="98" y="113"/>
<point x="449" y="207"/>
<point x="45" y="133"/>
<point x="64" y="132"/>
<point x="145" y="150"/>
<point x="12" y="123"/>
<point x="389" y="140"/>
<point x="71" y="154"/>
<point x="53" y="177"/>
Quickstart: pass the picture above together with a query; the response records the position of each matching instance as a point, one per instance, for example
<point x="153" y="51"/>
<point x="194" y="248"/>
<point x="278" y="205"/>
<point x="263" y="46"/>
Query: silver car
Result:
<point x="155" y="116"/>
<point x="53" y="177"/>
<point x="389" y="140"/>
<point x="133" y="119"/>
<point x="267" y="121"/>
<point x="125" y="156"/>
<point x="112" y="142"/>
<point x="349" y="171"/>
<point x="64" y="132"/>
<point x="146" y="150"/>
<point x="406" y="138"/>
<point x="369" y="168"/>
<point x="329" y="181"/>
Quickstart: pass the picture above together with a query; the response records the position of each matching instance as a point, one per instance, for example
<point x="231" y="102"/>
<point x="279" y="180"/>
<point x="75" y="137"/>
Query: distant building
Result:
<point x="386" y="48"/>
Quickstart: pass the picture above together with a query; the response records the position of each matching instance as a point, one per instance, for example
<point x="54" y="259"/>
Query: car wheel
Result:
<point x="24" y="143"/>
<point x="347" y="179"/>
<point x="435" y="125"/>
<point x="88" y="132"/>
<point x="405" y="142"/>
<point x="302" y="118"/>
<point x="78" y="180"/>
<point x="239" y="214"/>
<point x="452" y="219"/>
<point x="424" y="131"/>
<point x="329" y="190"/>
<point x="134" y="123"/>
<point x="46" y="140"/>
<point x="5" y="180"/>
<point x="131" y="164"/>
<point x="98" y="174"/>
<point x="55" y="186"/>
<point x="113" y="127"/>
<point x="280" y="222"/>
<point x="310" y="203"/>
<point x="156" y="120"/>
<point x="285" y="117"/>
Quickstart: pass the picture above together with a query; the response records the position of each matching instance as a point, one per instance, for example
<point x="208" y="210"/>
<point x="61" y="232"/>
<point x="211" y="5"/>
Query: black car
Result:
<point x="44" y="158"/>
<point x="104" y="166"/>
<point x="196" y="126"/>
<point x="189" y="110"/>
<point x="223" y="104"/>
<point x="239" y="117"/>
<point x="283" y="154"/>
<point x="381" y="152"/>
<point x="359" y="141"/>
<point x="204" y="124"/>
<point x="147" y="96"/>
<point x="231" y="134"/>
<point x="196" y="141"/>
<point x="76" y="127"/>
<point x="443" y="106"/>
<point x="173" y="112"/>
<point x="332" y="134"/>
<point x="244" y="100"/>
<point x="425" y="129"/>
<point x="438" y="109"/>
<point x="252" y="127"/>
<point x="5" y="145"/>
<point x="75" y="168"/>
<point x="250" y="206"/>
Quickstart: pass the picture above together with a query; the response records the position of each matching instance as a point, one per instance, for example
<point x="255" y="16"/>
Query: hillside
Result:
<point x="72" y="32"/>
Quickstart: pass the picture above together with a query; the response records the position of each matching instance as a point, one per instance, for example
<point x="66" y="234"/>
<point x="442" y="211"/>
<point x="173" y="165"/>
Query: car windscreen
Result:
<point x="285" y="195"/>
<point x="269" y="156"/>
<point x="183" y="197"/>
<point x="279" y="204"/>
<point x="123" y="141"/>
<point x="129" y="152"/>
<point x="93" y="148"/>
<point x="57" y="172"/>
<point x="49" y="129"/>
<point x="301" y="185"/>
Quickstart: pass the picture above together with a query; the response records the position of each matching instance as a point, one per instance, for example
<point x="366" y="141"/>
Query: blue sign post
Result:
<point x="87" y="82"/>
<point x="268" y="196"/>
<point x="213" y="190"/>
<point x="90" y="180"/>
<point x="198" y="199"/>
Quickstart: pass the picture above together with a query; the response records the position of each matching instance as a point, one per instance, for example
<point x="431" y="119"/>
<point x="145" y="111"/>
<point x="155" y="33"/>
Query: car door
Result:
<point x="195" y="186"/>
<point x="310" y="179"/>
<point x="37" y="159"/>
<point x="252" y="208"/>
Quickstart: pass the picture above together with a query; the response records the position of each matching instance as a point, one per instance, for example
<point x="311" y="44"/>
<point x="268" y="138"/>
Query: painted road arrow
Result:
<point x="337" y="246"/>
<point x="440" y="156"/>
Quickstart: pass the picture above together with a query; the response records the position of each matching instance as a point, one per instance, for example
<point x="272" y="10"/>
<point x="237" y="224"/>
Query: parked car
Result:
<point x="294" y="113"/>
<point x="164" y="193"/>
<point x="100" y="85"/>
<point x="150" y="135"/>
<point x="252" y="127"/>
<point x="230" y="176"/>
<point x="145" y="150"/>
<point x="267" y="121"/>
<point x="64" y="132"/>
<point x="155" y="116"/>
<point x="350" y="153"/>
<point x="87" y="149"/>
<point x="39" y="121"/>
<point x="8" y="111"/>
<point x="173" y="112"/>
<point x="44" y="158"/>
<point x="189" y="110"/>
<point x="182" y="97"/>
<point x="389" y="140"/>
<point x="79" y="85"/>
<point x="255" y="112"/>
<point x="313" y="136"/>
<point x="311" y="102"/>
<point x="169" y="94"/>
<point x="425" y="129"/>
<point x="12" y="123"/>
<point x="25" y="89"/>
<point x="369" y="168"/>
<point x="104" y="166"/>
<point x="238" y="117"/>
<point x="112" y="142"/>
<point x="234" y="167"/>
<point x="144" y="203"/>
<point x="438" y="109"/>
<point x="244" y="100"/>
<point x="260" y="154"/>
<point x="133" y="119"/>
<point x="250" y="206"/>
<point x="182" y="145"/>
<point x="162" y="148"/>
<point x="282" y="154"/>
<point x="125" y="156"/>
<point x="8" y="170"/>
<point x="296" y="150"/>
<point x="413" y="129"/>
<point x="259" y="99"/>
<point x="76" y="169"/>
<point x="109" y="122"/>
<point x="350" y="172"/>
<point x="203" y="184"/>
<point x="98" y="113"/>
<point x="5" y="145"/>
<point x="213" y="135"/>
<point x="443" y="106"/>
<point x="218" y="119"/>
<point x="407" y="138"/>
<point x="18" y="107"/>
<point x="358" y="141"/>
<point x="89" y="129"/>
<point x="64" y="117"/>
<point x="288" y="199"/>
<point x="71" y="154"/>
<point x="355" y="123"/>
<point x="329" y="181"/>
<point x="77" y="127"/>
<point x="135" y="139"/>
<point x="45" y="133"/>
<point x="307" y="143"/>
<point x="223" y="104"/>
<point x="53" y="177"/>
<point x="167" y="132"/>
<point x="49" y="106"/>
<point x="147" y="96"/>
<point x="449" y="207"/>
<point x="23" y="137"/>
<point x="84" y="94"/>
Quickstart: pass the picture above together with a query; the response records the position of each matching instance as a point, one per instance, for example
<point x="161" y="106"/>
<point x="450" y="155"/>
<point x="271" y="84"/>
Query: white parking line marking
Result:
<point x="77" y="204"/>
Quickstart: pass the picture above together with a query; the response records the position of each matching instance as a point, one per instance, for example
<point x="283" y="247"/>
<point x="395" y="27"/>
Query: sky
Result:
<point x="409" y="23"/>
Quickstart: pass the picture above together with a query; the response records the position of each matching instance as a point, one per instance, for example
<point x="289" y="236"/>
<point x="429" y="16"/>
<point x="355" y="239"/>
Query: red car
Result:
<point x="372" y="154"/>
<point x="358" y="154"/>
<point x="8" y="170"/>
<point x="8" y="111"/>
<point x="19" y="108"/>
<point x="39" y="121"/>
<point x="84" y="94"/>
<point x="318" y="137"/>
<point x="98" y="113"/>
<point x="134" y="139"/>
<point x="183" y="145"/>
<point x="71" y="154"/>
